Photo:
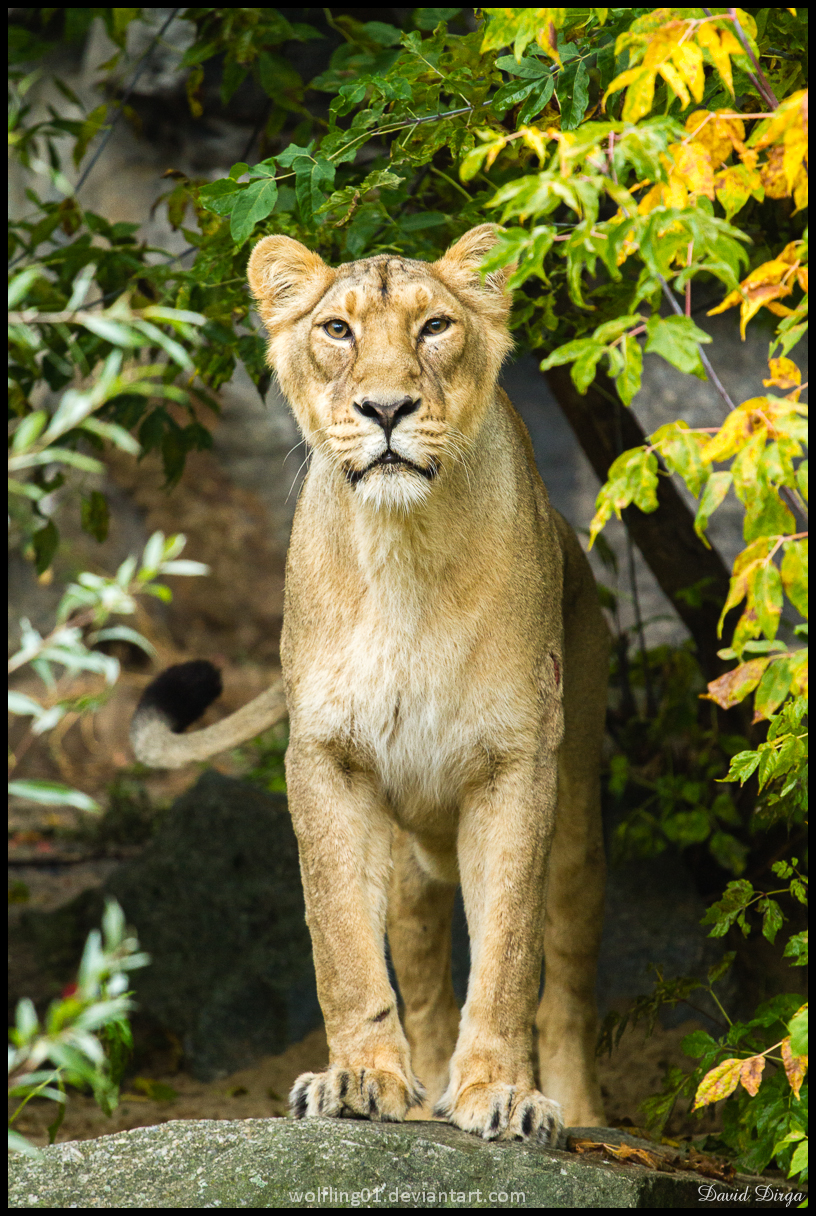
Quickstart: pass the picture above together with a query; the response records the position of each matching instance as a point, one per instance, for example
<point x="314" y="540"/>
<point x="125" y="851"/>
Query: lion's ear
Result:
<point x="282" y="272"/>
<point x="460" y="267"/>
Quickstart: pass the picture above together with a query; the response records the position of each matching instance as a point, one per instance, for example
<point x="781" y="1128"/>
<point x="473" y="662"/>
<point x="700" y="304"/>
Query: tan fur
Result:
<point x="445" y="667"/>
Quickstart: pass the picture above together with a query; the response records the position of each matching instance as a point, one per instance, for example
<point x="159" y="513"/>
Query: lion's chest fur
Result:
<point x="403" y="683"/>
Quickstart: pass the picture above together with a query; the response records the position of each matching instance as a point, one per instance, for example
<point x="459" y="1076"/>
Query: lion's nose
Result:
<point x="387" y="415"/>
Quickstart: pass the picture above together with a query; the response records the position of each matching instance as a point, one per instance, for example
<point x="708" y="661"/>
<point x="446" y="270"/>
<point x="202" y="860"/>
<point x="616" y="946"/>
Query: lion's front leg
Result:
<point x="344" y="840"/>
<point x="504" y="841"/>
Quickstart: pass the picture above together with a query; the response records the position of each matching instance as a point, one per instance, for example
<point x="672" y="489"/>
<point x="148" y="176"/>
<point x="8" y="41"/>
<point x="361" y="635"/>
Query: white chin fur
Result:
<point x="397" y="490"/>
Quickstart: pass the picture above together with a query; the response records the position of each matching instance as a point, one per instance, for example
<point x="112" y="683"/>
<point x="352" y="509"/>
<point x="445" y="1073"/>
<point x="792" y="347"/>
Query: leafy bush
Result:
<point x="85" y="1035"/>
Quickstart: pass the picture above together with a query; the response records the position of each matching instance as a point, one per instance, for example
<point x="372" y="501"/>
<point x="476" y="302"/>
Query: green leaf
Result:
<point x="23" y="705"/>
<point x="122" y="633"/>
<point x="95" y="515"/>
<point x="20" y="284"/>
<point x="52" y="793"/>
<point x="742" y="766"/>
<point x="772" y="918"/>
<point x="715" y="491"/>
<point x="767" y="586"/>
<point x="29" y="431"/>
<point x="220" y="197"/>
<point x="45" y="541"/>
<point x="111" y="331"/>
<point x="799" y="1160"/>
<point x="579" y="99"/>
<point x="57" y="456"/>
<point x="773" y="687"/>
<point x="572" y="350"/>
<point x="530" y="68"/>
<point x="798" y="1028"/>
<point x="18" y="1144"/>
<point x="802" y="479"/>
<point x="430" y="18"/>
<point x="314" y="182"/>
<point x="583" y="369"/>
<point x="628" y="382"/>
<point x="257" y="202"/>
<point x="676" y="340"/>
<point x="797" y="949"/>
<point x="794" y="572"/>
<point x="681" y="452"/>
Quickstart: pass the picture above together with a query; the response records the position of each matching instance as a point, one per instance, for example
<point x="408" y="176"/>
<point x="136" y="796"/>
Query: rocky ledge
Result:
<point x="278" y="1163"/>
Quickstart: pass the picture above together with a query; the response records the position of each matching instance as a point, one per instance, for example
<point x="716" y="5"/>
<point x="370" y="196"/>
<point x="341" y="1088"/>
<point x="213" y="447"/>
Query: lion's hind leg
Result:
<point x="567" y="1015"/>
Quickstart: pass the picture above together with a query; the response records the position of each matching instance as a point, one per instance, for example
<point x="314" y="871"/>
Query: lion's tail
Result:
<point x="177" y="698"/>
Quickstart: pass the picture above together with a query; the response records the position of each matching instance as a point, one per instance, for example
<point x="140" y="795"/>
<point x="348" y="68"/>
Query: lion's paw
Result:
<point x="504" y="1112"/>
<point x="355" y="1093"/>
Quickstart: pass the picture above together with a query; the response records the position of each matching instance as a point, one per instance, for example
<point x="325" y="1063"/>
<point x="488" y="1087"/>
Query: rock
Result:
<point x="652" y="917"/>
<point x="278" y="1163"/>
<point x="217" y="902"/>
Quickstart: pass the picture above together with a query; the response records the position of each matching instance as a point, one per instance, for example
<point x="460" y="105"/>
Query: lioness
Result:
<point x="445" y="668"/>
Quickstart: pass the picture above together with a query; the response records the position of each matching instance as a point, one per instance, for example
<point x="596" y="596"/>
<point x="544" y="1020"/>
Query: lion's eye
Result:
<point x="437" y="325"/>
<point x="337" y="329"/>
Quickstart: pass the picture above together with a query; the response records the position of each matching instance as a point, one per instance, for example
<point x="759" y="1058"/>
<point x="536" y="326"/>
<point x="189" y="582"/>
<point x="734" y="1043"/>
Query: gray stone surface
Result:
<point x="277" y="1163"/>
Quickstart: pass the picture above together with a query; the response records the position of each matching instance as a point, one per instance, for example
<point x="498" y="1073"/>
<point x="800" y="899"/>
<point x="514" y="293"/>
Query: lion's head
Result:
<point x="390" y="364"/>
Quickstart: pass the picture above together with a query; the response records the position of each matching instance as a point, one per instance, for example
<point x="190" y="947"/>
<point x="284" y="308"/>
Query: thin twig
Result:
<point x="760" y="80"/>
<point x="124" y="101"/>
<point x="704" y="359"/>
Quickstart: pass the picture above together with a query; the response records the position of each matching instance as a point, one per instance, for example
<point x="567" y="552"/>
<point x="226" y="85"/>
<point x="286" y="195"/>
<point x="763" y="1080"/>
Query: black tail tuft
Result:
<point x="182" y="693"/>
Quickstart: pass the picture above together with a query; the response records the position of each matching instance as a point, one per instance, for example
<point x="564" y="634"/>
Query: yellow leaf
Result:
<point x="746" y="463"/>
<point x="692" y="162"/>
<point x="751" y="1074"/>
<point x="784" y="374"/>
<point x="800" y="192"/>
<point x="779" y="310"/>
<point x="796" y="147"/>
<point x="494" y="151"/>
<point x="639" y="83"/>
<point x="793" y="110"/>
<point x="729" y="689"/>
<point x="737" y="429"/>
<point x="772" y="174"/>
<point x="718" y="134"/>
<point x="718" y="1083"/>
<point x="733" y="298"/>
<point x="675" y="82"/>
<point x="799" y="685"/>
<point x="712" y="40"/>
<point x="735" y="185"/>
<point x="762" y="287"/>
<point x="773" y="271"/>
<point x="757" y="298"/>
<point x="535" y="139"/>
<point x="795" y="1066"/>
<point x="688" y="58"/>
<point x="675" y="193"/>
<point x="792" y="253"/>
<point x="546" y="37"/>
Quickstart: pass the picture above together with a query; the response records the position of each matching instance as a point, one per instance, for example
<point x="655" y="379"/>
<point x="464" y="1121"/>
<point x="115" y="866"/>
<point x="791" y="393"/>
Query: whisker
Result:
<point x="309" y="455"/>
